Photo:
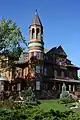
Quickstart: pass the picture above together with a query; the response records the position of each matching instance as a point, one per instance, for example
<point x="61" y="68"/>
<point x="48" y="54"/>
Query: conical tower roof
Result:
<point x="36" y="20"/>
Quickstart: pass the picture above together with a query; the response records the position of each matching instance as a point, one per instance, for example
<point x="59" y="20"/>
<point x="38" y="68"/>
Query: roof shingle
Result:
<point x="36" y="20"/>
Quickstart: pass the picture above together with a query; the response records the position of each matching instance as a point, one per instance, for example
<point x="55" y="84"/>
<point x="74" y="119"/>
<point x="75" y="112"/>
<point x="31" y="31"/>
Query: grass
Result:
<point x="46" y="105"/>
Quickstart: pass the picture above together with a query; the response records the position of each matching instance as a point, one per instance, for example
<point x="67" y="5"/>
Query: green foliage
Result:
<point x="28" y="95"/>
<point x="36" y="114"/>
<point x="64" y="94"/>
<point x="9" y="104"/>
<point x="67" y="100"/>
<point x="10" y="34"/>
<point x="11" y="39"/>
<point x="15" y="53"/>
<point x="29" y="112"/>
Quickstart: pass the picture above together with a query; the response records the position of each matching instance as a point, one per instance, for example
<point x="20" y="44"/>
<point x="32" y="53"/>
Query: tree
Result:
<point x="11" y="41"/>
<point x="11" y="38"/>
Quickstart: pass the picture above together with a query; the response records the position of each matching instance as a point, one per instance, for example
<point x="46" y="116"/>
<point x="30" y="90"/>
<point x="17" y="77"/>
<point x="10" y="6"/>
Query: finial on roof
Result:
<point x="36" y="13"/>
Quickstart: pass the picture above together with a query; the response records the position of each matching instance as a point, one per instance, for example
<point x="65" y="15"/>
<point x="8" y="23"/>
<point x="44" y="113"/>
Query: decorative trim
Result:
<point x="35" y="44"/>
<point x="35" y="41"/>
<point x="35" y="51"/>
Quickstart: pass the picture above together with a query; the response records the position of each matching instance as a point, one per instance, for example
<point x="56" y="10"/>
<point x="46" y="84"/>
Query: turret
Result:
<point x="36" y="44"/>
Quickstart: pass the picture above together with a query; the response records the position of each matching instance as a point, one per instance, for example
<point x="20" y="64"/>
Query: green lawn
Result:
<point x="52" y="104"/>
<point x="46" y="105"/>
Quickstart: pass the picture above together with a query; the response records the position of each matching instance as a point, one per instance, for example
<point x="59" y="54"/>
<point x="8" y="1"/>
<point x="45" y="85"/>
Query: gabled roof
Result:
<point x="58" y="50"/>
<point x="73" y="66"/>
<point x="36" y="20"/>
<point x="23" y="58"/>
<point x="46" y="50"/>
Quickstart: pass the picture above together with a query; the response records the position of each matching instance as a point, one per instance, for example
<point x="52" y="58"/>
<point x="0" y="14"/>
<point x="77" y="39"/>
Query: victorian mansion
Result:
<point x="45" y="70"/>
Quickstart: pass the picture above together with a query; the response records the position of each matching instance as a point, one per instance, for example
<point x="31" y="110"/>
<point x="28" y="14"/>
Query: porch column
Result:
<point x="69" y="88"/>
<point x="1" y="86"/>
<point x="12" y="88"/>
<point x="73" y="88"/>
<point x="18" y="87"/>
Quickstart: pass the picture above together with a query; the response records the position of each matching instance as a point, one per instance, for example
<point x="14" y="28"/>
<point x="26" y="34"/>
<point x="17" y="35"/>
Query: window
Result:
<point x="19" y="74"/>
<point x="57" y="61"/>
<point x="55" y="73"/>
<point x="33" y="33"/>
<point x="37" y="69"/>
<point x="62" y="73"/>
<point x="38" y="55"/>
<point x="37" y="85"/>
<point x="63" y="61"/>
<point x="45" y="71"/>
<point x="38" y="33"/>
<point x="30" y="34"/>
<point x="33" y="69"/>
<point x="32" y="55"/>
<point x="1" y="86"/>
<point x="3" y="64"/>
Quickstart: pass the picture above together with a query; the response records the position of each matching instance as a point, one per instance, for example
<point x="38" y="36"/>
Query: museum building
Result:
<point x="44" y="70"/>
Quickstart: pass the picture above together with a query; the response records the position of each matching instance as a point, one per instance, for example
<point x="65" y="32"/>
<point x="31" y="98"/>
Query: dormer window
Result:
<point x="63" y="61"/>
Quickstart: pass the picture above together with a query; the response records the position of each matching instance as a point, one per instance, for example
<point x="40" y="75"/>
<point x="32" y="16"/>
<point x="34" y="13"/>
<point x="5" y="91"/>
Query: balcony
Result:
<point x="60" y="77"/>
<point x="66" y="79"/>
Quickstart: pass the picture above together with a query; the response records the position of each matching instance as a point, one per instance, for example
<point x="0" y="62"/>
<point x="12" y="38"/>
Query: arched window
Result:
<point x="33" y="33"/>
<point x="30" y="34"/>
<point x="38" y="33"/>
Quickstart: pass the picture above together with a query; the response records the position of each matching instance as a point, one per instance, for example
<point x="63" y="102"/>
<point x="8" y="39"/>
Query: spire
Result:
<point x="36" y="19"/>
<point x="36" y="13"/>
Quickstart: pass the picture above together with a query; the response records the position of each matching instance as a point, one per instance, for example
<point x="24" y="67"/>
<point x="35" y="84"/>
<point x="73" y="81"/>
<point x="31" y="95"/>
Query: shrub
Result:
<point x="67" y="100"/>
<point x="31" y="112"/>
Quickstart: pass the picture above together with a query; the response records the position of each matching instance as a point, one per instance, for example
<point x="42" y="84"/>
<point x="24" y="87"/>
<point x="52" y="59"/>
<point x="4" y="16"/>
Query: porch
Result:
<point x="53" y="87"/>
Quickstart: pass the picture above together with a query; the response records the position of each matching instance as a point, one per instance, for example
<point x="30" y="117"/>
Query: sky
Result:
<point x="60" y="19"/>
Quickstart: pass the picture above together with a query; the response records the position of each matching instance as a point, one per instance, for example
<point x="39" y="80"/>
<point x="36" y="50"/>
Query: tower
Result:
<point x="36" y="45"/>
